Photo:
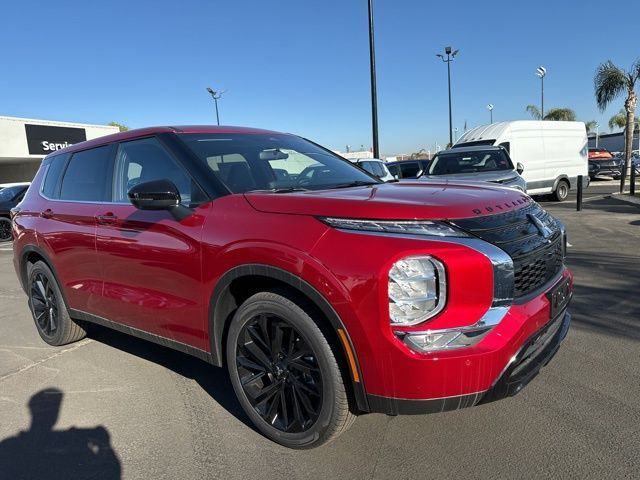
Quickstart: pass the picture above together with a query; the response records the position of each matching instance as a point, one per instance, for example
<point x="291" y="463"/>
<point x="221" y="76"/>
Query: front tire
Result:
<point x="48" y="308"/>
<point x="562" y="191"/>
<point x="284" y="372"/>
<point x="5" y="229"/>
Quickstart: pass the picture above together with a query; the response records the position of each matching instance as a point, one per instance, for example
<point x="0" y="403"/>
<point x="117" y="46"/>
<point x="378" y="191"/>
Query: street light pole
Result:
<point x="490" y="107"/>
<point x="541" y="72"/>
<point x="374" y="94"/>
<point x="597" y="133"/>
<point x="215" y="95"/>
<point x="450" y="56"/>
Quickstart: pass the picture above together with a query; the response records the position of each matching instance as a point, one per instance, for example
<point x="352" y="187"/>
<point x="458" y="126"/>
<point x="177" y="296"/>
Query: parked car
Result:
<point x="10" y="195"/>
<point x="479" y="163"/>
<point x="375" y="167"/>
<point x="603" y="162"/>
<point x="407" y="168"/>
<point x="324" y="296"/>
<point x="553" y="154"/>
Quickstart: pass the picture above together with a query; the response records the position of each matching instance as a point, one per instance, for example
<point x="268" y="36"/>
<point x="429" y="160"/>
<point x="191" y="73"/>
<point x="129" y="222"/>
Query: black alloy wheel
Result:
<point x="279" y="373"/>
<point x="44" y="304"/>
<point x="284" y="371"/>
<point x="49" y="309"/>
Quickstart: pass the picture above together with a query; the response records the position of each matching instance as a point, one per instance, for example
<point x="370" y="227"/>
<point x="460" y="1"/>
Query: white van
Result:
<point x="553" y="154"/>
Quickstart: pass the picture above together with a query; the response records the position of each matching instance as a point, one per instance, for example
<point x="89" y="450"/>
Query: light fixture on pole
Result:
<point x="450" y="56"/>
<point x="541" y="72"/>
<point x="597" y="133"/>
<point x="490" y="107"/>
<point x="216" y="95"/>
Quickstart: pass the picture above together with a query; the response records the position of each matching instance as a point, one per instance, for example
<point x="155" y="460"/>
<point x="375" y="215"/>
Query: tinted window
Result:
<point x="146" y="160"/>
<point x="52" y="180"/>
<point x="410" y="169"/>
<point x="469" y="162"/>
<point x="279" y="163"/>
<point x="9" y="193"/>
<point x="85" y="178"/>
<point x="374" y="168"/>
<point x="394" y="169"/>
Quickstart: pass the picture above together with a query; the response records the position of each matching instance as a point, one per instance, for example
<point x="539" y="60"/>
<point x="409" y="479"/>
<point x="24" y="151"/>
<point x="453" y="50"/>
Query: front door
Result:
<point x="151" y="262"/>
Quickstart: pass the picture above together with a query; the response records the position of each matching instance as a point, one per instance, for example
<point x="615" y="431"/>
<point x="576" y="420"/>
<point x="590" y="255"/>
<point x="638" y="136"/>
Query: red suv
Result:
<point x="325" y="292"/>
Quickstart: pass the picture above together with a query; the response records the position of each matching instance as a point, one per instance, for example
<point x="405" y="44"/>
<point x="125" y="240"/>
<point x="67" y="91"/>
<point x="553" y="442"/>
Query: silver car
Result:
<point x="480" y="163"/>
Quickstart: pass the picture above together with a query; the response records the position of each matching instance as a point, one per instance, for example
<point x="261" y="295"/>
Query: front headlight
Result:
<point x="415" y="227"/>
<point x="417" y="289"/>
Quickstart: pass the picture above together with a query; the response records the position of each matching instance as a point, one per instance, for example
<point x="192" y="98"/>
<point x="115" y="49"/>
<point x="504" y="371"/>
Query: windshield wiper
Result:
<point x="357" y="183"/>
<point x="280" y="190"/>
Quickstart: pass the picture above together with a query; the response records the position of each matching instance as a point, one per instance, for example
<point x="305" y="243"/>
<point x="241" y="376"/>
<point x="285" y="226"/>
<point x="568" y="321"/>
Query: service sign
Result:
<point x="44" y="139"/>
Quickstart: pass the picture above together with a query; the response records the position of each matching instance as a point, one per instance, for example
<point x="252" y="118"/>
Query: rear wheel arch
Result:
<point x="240" y="283"/>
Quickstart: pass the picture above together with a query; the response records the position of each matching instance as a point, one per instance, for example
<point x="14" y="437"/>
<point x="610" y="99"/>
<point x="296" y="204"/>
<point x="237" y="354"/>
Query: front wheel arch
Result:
<point x="241" y="282"/>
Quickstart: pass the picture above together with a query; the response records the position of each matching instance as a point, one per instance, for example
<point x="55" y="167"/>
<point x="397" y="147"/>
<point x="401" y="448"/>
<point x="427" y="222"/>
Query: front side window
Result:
<point x="146" y="160"/>
<point x="85" y="176"/>
<point x="469" y="162"/>
<point x="277" y="163"/>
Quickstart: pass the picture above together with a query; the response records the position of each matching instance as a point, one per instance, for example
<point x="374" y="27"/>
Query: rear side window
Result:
<point x="85" y="178"/>
<point x="52" y="180"/>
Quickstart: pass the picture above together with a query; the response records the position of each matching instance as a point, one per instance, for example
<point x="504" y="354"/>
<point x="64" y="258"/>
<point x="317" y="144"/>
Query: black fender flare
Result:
<point x="557" y="180"/>
<point x="218" y="320"/>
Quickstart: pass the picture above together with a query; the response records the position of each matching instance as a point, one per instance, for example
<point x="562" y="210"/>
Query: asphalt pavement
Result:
<point x="112" y="406"/>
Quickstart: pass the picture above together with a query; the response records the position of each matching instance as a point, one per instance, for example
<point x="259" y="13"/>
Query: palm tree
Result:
<point x="609" y="83"/>
<point x="558" y="113"/>
<point x="619" y="120"/>
<point x="123" y="128"/>
<point x="534" y="112"/>
<point x="590" y="126"/>
<point x="561" y="114"/>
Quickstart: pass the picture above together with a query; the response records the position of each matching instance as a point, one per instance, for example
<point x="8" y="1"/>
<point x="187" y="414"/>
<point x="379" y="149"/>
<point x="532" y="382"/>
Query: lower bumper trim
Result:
<point x="536" y="352"/>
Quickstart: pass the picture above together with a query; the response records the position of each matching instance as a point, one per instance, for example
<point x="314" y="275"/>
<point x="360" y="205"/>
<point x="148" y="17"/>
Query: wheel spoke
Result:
<point x="302" y="366"/>
<point x="304" y="401"/>
<point x="266" y="393"/>
<point x="276" y="342"/>
<point x="249" y="379"/>
<point x="284" y="407"/>
<point x="272" y="411"/>
<point x="257" y="354"/>
<point x="41" y="289"/>
<point x="305" y="388"/>
<point x="244" y="362"/>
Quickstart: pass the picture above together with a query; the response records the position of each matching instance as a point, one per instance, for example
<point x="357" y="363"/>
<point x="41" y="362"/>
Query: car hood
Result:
<point x="397" y="201"/>
<point x="500" y="176"/>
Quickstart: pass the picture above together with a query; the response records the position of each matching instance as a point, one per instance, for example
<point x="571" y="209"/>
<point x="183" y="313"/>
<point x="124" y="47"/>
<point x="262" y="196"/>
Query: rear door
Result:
<point x="151" y="262"/>
<point x="67" y="228"/>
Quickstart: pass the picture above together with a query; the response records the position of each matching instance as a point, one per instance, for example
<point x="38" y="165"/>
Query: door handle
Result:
<point x="48" y="213"/>
<point x="106" y="219"/>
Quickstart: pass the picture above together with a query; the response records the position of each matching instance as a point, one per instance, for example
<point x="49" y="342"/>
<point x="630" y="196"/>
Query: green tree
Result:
<point x="619" y="120"/>
<point x="123" y="128"/>
<point x="609" y="83"/>
<point x="590" y="126"/>
<point x="558" y="113"/>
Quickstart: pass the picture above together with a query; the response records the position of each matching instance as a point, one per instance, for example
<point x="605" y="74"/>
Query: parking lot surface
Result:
<point x="112" y="406"/>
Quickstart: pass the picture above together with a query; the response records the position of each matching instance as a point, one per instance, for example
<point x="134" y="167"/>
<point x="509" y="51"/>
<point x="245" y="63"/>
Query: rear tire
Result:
<point x="284" y="372"/>
<point x="48" y="308"/>
<point x="562" y="191"/>
<point x="5" y="229"/>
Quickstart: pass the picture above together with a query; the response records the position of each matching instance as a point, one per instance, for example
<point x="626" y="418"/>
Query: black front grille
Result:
<point x="536" y="259"/>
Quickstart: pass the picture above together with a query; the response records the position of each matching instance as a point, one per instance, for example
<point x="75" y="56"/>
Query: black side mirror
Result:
<point x="155" y="195"/>
<point x="519" y="168"/>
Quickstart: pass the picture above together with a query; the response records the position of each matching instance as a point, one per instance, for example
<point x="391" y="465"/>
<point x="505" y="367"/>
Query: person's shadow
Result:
<point x="42" y="452"/>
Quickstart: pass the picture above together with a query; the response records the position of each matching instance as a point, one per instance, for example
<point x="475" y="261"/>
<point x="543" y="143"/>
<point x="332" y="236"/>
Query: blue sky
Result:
<point x="302" y="66"/>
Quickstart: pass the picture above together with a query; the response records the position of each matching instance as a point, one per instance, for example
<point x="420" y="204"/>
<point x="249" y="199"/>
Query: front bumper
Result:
<point x="536" y="352"/>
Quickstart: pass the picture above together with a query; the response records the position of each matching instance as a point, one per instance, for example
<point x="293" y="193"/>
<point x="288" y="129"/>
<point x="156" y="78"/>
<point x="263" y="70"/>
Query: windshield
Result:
<point x="277" y="162"/>
<point x="469" y="162"/>
<point x="9" y="193"/>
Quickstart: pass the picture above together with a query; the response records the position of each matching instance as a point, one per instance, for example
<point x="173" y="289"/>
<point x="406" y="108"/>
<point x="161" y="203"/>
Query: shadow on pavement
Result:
<point x="213" y="380"/>
<point x="606" y="293"/>
<point x="42" y="452"/>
